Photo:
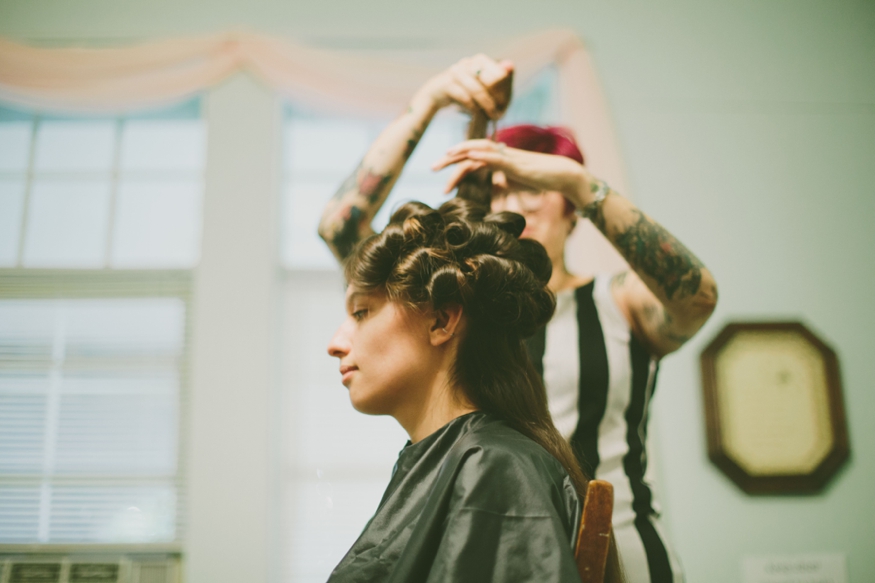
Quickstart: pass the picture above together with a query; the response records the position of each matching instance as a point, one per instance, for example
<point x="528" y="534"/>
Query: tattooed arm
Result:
<point x="667" y="296"/>
<point x="347" y="217"/>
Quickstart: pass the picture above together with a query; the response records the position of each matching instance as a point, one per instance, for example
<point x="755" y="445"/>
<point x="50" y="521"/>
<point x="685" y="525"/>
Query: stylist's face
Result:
<point x="384" y="353"/>
<point x="547" y="219"/>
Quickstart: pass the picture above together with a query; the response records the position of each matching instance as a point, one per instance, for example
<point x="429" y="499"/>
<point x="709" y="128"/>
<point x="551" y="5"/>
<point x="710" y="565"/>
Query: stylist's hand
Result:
<point x="468" y="83"/>
<point x="521" y="168"/>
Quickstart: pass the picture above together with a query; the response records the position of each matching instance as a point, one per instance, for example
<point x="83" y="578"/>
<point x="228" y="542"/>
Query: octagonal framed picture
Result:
<point x="774" y="411"/>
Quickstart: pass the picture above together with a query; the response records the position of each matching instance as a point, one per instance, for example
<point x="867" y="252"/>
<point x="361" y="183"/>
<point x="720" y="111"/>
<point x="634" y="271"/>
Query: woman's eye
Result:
<point x="359" y="314"/>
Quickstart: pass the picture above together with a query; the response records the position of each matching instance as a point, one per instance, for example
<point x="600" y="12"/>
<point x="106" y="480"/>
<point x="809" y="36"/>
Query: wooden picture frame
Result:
<point x="774" y="410"/>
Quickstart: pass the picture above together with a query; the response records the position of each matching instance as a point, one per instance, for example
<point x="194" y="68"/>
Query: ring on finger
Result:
<point x="477" y="73"/>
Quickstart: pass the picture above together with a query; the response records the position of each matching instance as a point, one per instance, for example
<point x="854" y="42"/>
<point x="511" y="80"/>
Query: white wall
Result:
<point x="748" y="129"/>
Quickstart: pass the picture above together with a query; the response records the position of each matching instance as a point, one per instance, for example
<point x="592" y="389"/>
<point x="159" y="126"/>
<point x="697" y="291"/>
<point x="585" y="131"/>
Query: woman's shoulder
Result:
<point x="492" y="447"/>
<point x="497" y="470"/>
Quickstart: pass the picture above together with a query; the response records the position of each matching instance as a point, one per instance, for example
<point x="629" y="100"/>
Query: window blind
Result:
<point x="90" y="405"/>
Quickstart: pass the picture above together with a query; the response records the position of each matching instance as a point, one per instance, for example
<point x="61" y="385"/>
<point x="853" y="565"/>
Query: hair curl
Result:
<point x="460" y="255"/>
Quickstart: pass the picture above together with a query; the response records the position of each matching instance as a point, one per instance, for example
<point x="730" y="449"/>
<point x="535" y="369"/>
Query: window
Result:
<point x="101" y="221"/>
<point x="338" y="461"/>
<point x="89" y="414"/>
<point x="90" y="193"/>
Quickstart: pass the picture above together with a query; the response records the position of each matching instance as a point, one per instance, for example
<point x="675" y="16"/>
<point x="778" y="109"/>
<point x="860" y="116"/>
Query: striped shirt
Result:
<point x="600" y="380"/>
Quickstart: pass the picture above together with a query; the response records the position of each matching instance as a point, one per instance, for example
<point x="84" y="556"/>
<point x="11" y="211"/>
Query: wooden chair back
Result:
<point x="594" y="536"/>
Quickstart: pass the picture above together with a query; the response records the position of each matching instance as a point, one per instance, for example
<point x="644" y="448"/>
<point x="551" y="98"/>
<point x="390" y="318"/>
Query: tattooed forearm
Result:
<point x="348" y="186"/>
<point x="356" y="200"/>
<point x="347" y="216"/>
<point x="347" y="237"/>
<point x="412" y="143"/>
<point x="654" y="252"/>
<point x="371" y="186"/>
<point x="363" y="182"/>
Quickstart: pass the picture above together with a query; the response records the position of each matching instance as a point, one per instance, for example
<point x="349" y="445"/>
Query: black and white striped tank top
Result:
<point x="599" y="381"/>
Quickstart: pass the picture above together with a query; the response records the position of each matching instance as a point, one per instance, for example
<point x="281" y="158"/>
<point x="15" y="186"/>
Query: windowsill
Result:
<point x="91" y="549"/>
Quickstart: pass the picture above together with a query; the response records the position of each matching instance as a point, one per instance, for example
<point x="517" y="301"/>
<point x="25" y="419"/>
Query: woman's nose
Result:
<point x="338" y="346"/>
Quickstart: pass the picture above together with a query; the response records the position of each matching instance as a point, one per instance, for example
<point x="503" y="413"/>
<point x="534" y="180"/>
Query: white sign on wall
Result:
<point x="803" y="568"/>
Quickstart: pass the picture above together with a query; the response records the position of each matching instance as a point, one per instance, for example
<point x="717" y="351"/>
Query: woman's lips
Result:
<point x="346" y="373"/>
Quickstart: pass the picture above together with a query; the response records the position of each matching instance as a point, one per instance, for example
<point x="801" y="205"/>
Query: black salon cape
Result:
<point x="475" y="501"/>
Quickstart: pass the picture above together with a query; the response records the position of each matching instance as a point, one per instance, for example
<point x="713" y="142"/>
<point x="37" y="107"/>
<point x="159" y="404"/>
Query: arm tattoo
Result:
<point x="349" y="184"/>
<point x="618" y="280"/>
<point x="347" y="236"/>
<point x="361" y="188"/>
<point x="411" y="144"/>
<point x="665" y="329"/>
<point x="653" y="251"/>
<point x="363" y="182"/>
<point x="663" y="321"/>
<point x="371" y="185"/>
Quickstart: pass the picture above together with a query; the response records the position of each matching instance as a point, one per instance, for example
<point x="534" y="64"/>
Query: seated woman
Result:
<point x="438" y="306"/>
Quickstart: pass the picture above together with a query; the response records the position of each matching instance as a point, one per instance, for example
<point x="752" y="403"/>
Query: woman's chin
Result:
<point x="363" y="404"/>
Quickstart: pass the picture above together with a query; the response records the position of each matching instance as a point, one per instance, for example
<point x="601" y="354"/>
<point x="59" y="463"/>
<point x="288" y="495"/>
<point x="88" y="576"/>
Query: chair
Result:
<point x="594" y="536"/>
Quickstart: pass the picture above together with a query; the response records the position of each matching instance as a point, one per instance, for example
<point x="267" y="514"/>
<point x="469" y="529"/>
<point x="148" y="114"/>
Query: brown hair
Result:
<point x="459" y="255"/>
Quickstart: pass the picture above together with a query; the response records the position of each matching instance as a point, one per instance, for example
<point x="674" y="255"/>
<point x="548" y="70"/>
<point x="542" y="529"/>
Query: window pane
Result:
<point x="157" y="224"/>
<point x="67" y="224"/>
<point x="447" y="129"/>
<point x="536" y="102"/>
<point x="118" y="426"/>
<point x="113" y="514"/>
<point x="11" y="207"/>
<point x="23" y="409"/>
<point x="163" y="145"/>
<point x="303" y="204"/>
<point x="14" y="146"/>
<point x="123" y="327"/>
<point x="326" y="145"/>
<point x="27" y="332"/>
<point x="75" y="146"/>
<point x="19" y="513"/>
<point x="102" y="412"/>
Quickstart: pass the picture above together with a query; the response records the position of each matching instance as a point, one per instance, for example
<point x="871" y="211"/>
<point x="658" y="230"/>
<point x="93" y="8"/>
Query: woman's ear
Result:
<point x="446" y="324"/>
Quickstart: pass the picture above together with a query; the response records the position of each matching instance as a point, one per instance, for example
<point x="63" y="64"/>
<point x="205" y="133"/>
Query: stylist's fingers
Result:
<point x="463" y="169"/>
<point x="447" y="160"/>
<point x="471" y="83"/>
<point x="491" y="72"/>
<point x="457" y="93"/>
<point x="475" y="145"/>
<point x="494" y="160"/>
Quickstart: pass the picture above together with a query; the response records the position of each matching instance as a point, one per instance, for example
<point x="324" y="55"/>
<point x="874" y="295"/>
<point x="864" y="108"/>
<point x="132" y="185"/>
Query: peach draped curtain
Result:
<point x="162" y="72"/>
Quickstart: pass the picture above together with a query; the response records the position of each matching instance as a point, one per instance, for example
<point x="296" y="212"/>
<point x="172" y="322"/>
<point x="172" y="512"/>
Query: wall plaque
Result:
<point x="773" y="407"/>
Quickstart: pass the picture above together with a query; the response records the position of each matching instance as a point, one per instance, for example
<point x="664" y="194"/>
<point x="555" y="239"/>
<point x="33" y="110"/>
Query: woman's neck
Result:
<point x="433" y="408"/>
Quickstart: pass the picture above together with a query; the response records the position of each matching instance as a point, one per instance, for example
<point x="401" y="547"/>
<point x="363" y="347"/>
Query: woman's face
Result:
<point x="547" y="219"/>
<point x="384" y="353"/>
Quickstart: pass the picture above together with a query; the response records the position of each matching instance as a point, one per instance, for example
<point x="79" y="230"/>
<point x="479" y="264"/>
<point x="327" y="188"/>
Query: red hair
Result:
<point x="555" y="140"/>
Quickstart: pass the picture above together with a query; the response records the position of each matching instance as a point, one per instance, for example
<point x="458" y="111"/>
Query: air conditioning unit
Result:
<point x="89" y="568"/>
